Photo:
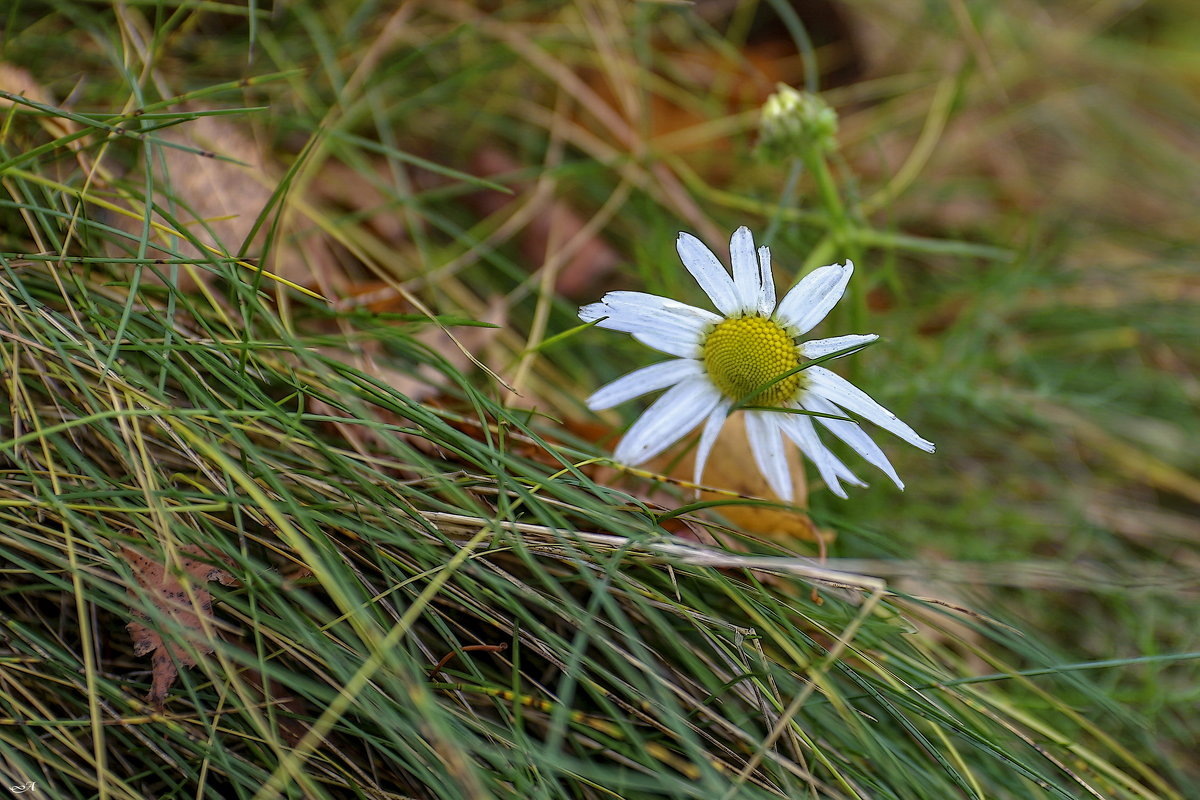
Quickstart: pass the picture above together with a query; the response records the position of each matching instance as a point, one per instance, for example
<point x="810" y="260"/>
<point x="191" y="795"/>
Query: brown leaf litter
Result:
<point x="187" y="608"/>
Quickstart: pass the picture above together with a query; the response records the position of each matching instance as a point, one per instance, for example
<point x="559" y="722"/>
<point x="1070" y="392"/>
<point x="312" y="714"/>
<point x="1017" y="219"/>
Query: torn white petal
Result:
<point x="634" y="312"/>
<point x="747" y="279"/>
<point x="812" y="298"/>
<point x="766" y="300"/>
<point x="799" y="429"/>
<point x="853" y="435"/>
<point x="708" y="272"/>
<point x="838" y="390"/>
<point x="823" y="347"/>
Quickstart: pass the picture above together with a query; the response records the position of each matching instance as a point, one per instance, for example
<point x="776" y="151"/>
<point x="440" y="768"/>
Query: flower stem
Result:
<point x="840" y="229"/>
<point x="785" y="200"/>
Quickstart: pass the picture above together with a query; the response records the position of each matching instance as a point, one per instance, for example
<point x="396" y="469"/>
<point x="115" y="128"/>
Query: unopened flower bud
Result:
<point x="794" y="122"/>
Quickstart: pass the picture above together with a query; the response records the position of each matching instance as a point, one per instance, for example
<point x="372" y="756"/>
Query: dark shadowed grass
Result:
<point x="434" y="597"/>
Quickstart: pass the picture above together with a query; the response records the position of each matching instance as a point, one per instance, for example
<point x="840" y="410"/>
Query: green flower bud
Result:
<point x="793" y="122"/>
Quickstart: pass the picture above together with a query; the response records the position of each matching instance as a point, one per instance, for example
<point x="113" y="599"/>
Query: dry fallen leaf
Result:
<point x="593" y="258"/>
<point x="422" y="386"/>
<point x="20" y="81"/>
<point x="228" y="196"/>
<point x="731" y="467"/>
<point x="186" y="609"/>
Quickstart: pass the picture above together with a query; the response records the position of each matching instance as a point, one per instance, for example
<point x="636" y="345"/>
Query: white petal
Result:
<point x="762" y="429"/>
<point x="852" y="435"/>
<point x="841" y="469"/>
<point x="659" y="322"/>
<point x="651" y="303"/>
<point x="766" y="301"/>
<point x="643" y="381"/>
<point x="653" y="323"/>
<point x="747" y="279"/>
<point x="842" y="392"/>
<point x="811" y="299"/>
<point x="800" y="430"/>
<point x="708" y="272"/>
<point x="667" y="420"/>
<point x="629" y="311"/>
<point x="823" y="347"/>
<point x="708" y="436"/>
<point x="671" y="343"/>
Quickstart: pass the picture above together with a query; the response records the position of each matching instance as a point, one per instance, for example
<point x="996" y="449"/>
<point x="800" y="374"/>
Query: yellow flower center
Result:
<point x="744" y="353"/>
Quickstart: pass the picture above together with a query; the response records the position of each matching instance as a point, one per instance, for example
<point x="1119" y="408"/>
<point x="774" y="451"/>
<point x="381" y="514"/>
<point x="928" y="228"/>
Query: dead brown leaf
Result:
<point x="187" y="607"/>
<point x="593" y="257"/>
<point x="20" y="81"/>
<point x="229" y="198"/>
<point x="731" y="467"/>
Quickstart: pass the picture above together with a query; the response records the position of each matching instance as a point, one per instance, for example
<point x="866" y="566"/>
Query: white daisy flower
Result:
<point x="721" y="359"/>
